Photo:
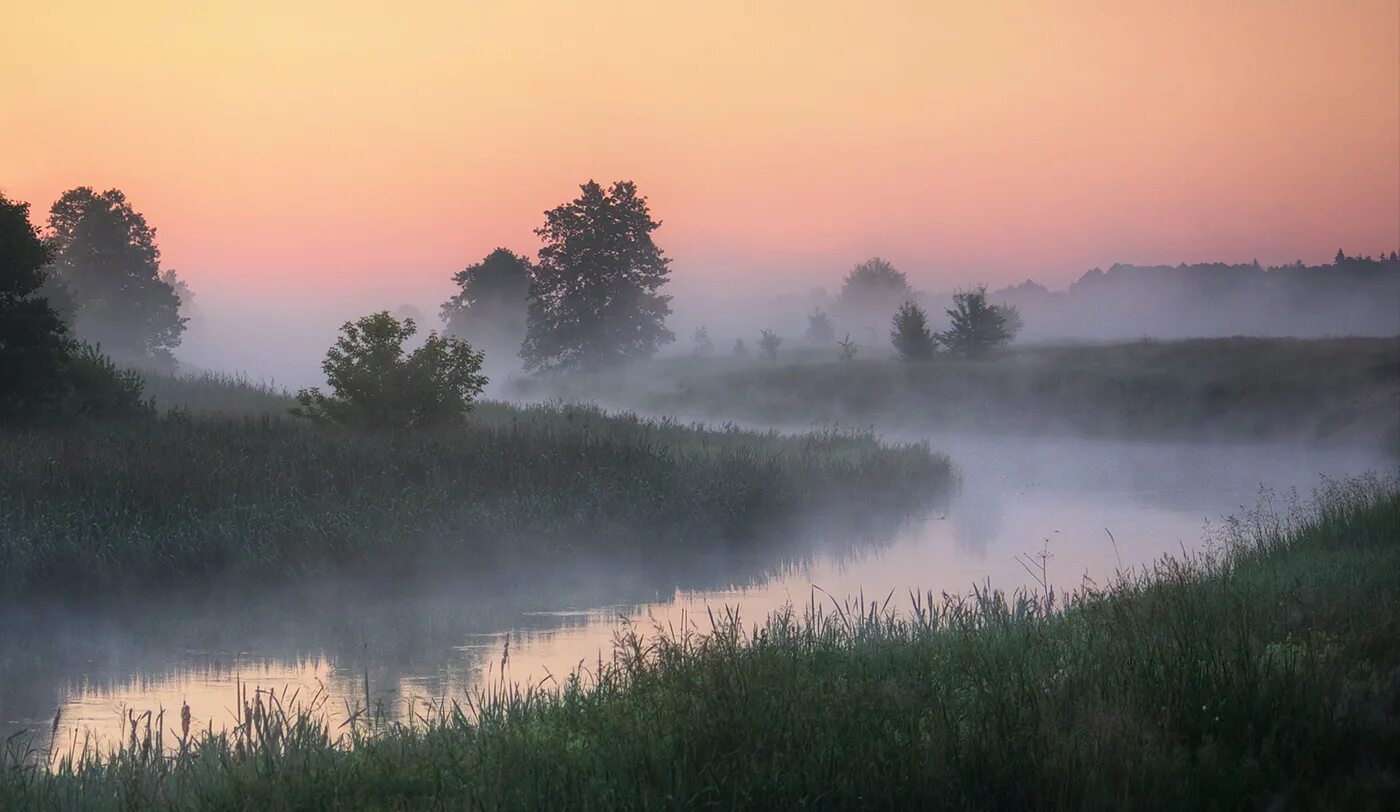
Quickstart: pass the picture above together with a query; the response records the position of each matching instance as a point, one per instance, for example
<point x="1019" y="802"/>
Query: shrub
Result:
<point x="910" y="333"/>
<point x="377" y="385"/>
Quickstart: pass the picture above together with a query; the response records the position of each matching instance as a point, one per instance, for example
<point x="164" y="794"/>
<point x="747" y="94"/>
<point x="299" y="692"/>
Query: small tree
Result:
<point x="703" y="345"/>
<point x="741" y="350"/>
<point x="768" y="345"/>
<point x="820" y="329"/>
<point x="978" y="327"/>
<point x="910" y="333"/>
<point x="848" y="348"/>
<point x="377" y="385"/>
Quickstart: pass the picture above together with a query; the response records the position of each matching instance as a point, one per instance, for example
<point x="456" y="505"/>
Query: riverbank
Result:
<point x="1260" y="675"/>
<point x="197" y="495"/>
<point x="1317" y="391"/>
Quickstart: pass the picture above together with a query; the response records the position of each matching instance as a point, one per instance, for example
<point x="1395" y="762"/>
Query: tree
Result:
<point x="489" y="306"/>
<point x="820" y="329"/>
<point x="182" y="292"/>
<point x="593" y="296"/>
<point x="741" y="350"/>
<point x="977" y="326"/>
<point x="872" y="291"/>
<point x="1011" y="320"/>
<point x="848" y="348"/>
<point x="701" y="339"/>
<point x="768" y="345"/>
<point x="106" y="253"/>
<point x="33" y="339"/>
<point x="910" y="333"/>
<point x="377" y="385"/>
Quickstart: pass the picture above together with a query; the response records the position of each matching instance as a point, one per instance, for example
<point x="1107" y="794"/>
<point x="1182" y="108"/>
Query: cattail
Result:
<point x="184" y="720"/>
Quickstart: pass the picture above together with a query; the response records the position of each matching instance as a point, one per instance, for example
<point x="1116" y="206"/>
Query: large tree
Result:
<point x="490" y="304"/>
<point x="594" y="300"/>
<point x="106" y="253"/>
<point x="33" y="341"/>
<point x="871" y="292"/>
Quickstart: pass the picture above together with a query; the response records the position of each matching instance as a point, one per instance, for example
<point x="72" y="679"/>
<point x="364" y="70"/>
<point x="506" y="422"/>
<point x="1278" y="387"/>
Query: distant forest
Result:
<point x="1352" y="296"/>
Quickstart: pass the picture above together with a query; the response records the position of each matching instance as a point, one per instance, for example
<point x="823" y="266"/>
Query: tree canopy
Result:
<point x="872" y="291"/>
<point x="490" y="304"/>
<point x="376" y="384"/>
<point x="594" y="300"/>
<point x="33" y="339"/>
<point x="106" y="253"/>
<point x="977" y="327"/>
<point x="910" y="333"/>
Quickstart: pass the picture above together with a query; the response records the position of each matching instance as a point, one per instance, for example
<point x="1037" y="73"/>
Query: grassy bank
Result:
<point x="196" y="496"/>
<point x="1330" y="390"/>
<point x="1265" y="676"/>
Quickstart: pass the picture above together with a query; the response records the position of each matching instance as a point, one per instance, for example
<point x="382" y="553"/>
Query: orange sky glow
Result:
<point x="285" y="146"/>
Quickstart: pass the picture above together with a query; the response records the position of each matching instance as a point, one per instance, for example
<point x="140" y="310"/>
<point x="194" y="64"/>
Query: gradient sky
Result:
<point x="351" y="148"/>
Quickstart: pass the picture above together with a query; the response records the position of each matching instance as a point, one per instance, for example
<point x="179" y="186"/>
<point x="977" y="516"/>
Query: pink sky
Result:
<point x="368" y="150"/>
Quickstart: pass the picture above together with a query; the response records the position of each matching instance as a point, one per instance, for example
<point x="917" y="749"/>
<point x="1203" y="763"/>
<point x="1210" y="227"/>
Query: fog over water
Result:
<point x="442" y="638"/>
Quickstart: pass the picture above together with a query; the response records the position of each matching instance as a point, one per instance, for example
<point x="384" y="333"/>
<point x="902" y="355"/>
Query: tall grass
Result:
<point x="190" y="497"/>
<point x="1265" y="674"/>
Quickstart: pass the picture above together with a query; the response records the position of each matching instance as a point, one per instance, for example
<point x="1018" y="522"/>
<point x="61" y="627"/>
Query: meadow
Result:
<point x="1331" y="391"/>
<point x="1259" y="674"/>
<point x="222" y="486"/>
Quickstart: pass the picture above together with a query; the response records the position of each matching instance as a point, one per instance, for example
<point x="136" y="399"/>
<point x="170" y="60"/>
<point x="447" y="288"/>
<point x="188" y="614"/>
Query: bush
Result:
<point x="98" y="389"/>
<point x="910" y="333"/>
<point x="377" y="385"/>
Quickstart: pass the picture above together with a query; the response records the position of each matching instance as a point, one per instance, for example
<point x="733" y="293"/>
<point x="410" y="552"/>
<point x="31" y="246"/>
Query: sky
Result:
<point x="355" y="152"/>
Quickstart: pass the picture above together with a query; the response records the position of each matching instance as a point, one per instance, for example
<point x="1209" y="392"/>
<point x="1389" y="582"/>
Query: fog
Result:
<point x="441" y="636"/>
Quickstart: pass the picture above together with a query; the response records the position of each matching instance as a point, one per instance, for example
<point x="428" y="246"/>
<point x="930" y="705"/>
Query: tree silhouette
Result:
<point x="910" y="333"/>
<point x="820" y="329"/>
<point x="701" y="339"/>
<point x="768" y="345"/>
<point x="377" y="385"/>
<point x="106" y="253"/>
<point x="872" y="291"/>
<point x="594" y="300"/>
<point x="977" y="326"/>
<point x="33" y="339"/>
<point x="848" y="349"/>
<point x="489" y="306"/>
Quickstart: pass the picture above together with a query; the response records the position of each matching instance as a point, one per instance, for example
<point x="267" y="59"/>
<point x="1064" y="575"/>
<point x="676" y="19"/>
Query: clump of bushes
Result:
<point x="377" y="384"/>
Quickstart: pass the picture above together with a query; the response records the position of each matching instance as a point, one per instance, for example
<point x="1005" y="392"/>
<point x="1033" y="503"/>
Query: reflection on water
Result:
<point x="437" y="640"/>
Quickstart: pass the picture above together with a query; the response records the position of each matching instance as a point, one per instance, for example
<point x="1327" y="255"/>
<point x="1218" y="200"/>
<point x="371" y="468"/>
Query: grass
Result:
<point x="1265" y="674"/>
<point x="194" y="496"/>
<point x="1328" y="390"/>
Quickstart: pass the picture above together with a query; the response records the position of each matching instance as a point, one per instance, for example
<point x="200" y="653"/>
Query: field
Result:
<point x="1263" y="674"/>
<point x="196" y="494"/>
<point x="1343" y="391"/>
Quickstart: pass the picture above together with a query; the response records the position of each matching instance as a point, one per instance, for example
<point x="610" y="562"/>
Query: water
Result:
<point x="440" y="639"/>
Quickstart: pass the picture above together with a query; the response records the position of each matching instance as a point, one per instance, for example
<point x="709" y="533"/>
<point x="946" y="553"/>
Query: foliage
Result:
<point x="910" y="333"/>
<point x="768" y="345"/>
<point x="489" y="306"/>
<point x="701" y="340"/>
<point x="97" y="389"/>
<point x="1011" y="320"/>
<point x="106" y="253"/>
<point x="33" y="339"/>
<point x="848" y="349"/>
<point x="377" y="385"/>
<point x="977" y="328"/>
<point x="872" y="291"/>
<point x="741" y="349"/>
<point x="593" y="297"/>
<point x="820" y="328"/>
<point x="1260" y="677"/>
